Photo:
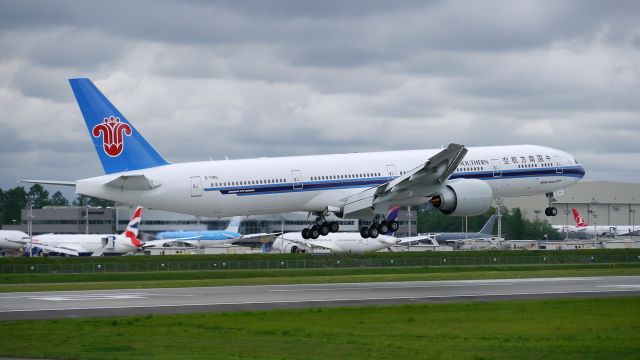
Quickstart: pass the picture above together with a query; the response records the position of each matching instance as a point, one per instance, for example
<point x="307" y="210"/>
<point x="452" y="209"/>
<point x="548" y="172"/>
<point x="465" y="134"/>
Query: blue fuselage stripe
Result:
<point x="574" y="171"/>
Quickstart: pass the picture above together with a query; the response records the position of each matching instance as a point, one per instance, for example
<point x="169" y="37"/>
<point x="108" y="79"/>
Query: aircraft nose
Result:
<point x="581" y="171"/>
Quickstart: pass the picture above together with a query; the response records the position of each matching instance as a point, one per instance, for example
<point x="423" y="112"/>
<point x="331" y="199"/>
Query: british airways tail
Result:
<point x="134" y="225"/>
<point x="119" y="145"/>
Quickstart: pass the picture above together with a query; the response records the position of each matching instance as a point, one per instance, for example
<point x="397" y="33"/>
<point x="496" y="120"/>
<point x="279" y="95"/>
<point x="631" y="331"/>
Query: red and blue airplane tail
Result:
<point x="119" y="145"/>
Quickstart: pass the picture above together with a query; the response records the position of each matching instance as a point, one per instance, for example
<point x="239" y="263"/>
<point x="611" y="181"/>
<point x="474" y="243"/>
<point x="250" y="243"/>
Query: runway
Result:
<point x="71" y="304"/>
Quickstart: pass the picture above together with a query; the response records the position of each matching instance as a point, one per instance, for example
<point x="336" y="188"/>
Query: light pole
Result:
<point x="594" y="213"/>
<point x="30" y="224"/>
<point x="566" y="229"/>
<point x="409" y="215"/>
<point x="499" y="212"/>
<point x="632" y="213"/>
<point x="86" y="219"/>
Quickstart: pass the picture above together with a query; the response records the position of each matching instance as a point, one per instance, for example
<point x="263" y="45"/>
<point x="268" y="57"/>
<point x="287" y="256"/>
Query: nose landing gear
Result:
<point x="551" y="210"/>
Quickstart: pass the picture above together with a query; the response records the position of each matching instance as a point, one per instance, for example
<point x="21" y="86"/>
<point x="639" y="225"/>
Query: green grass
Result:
<point x="606" y="328"/>
<point x="103" y="281"/>
<point x="279" y="257"/>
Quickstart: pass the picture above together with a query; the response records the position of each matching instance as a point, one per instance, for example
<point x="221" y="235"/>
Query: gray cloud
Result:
<point x="205" y="79"/>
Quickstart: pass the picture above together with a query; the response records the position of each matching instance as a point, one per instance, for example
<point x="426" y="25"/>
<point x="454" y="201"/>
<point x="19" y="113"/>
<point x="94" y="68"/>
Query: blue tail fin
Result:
<point x="119" y="145"/>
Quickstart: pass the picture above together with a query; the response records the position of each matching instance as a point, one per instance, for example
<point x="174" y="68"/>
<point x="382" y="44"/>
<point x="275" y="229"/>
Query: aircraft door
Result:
<point x="497" y="168"/>
<point x="196" y="186"/>
<point x="109" y="242"/>
<point x="296" y="177"/>
<point x="391" y="168"/>
<point x="556" y="160"/>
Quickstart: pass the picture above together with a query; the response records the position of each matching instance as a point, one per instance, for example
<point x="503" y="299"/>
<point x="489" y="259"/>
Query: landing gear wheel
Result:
<point x="383" y="228"/>
<point x="373" y="231"/>
<point x="394" y="226"/>
<point x="364" y="232"/>
<point x="314" y="233"/>
<point x="305" y="233"/>
<point x="334" y="226"/>
<point x="551" y="211"/>
<point x="324" y="229"/>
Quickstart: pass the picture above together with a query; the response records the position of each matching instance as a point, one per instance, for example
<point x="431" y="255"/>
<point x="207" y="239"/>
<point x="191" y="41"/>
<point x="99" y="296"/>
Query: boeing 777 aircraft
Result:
<point x="89" y="244"/>
<point x="456" y="180"/>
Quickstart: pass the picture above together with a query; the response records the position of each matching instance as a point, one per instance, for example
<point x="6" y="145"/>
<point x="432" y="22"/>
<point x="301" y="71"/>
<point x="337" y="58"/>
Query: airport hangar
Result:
<point x="599" y="202"/>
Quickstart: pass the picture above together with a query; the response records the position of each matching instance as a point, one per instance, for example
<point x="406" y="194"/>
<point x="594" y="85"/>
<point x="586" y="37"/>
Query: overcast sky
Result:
<point x="205" y="79"/>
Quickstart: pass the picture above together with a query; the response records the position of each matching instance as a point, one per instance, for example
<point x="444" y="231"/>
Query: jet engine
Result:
<point x="463" y="197"/>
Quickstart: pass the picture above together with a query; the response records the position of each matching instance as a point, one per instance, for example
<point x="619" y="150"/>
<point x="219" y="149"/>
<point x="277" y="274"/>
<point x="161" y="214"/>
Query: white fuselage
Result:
<point x="312" y="183"/>
<point x="11" y="239"/>
<point x="112" y="244"/>
<point x="601" y="230"/>
<point x="335" y="242"/>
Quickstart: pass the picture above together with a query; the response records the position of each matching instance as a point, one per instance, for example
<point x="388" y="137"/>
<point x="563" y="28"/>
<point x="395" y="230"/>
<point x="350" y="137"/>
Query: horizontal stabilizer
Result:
<point x="50" y="182"/>
<point x="133" y="182"/>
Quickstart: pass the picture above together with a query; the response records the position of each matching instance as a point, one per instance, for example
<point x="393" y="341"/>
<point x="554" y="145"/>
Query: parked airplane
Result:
<point x="12" y="239"/>
<point x="456" y="180"/>
<point x="600" y="230"/>
<point x="484" y="233"/>
<point x="341" y="242"/>
<point x="206" y="238"/>
<point x="89" y="244"/>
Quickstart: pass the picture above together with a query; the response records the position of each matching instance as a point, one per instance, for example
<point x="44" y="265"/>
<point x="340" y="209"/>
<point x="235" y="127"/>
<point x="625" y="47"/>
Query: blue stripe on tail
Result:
<point x="119" y="145"/>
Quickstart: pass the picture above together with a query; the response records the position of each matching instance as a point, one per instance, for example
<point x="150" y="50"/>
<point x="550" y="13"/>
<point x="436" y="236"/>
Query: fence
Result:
<point x="320" y="263"/>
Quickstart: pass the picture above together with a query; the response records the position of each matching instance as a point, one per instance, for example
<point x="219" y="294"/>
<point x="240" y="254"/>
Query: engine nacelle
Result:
<point x="463" y="197"/>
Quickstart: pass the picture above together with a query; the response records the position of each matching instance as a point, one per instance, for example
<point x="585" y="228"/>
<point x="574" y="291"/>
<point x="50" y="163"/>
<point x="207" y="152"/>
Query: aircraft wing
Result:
<point x="322" y="244"/>
<point x="412" y="239"/>
<point x="162" y="242"/>
<point x="251" y="236"/>
<point x="423" y="180"/>
<point x="50" y="182"/>
<point x="72" y="250"/>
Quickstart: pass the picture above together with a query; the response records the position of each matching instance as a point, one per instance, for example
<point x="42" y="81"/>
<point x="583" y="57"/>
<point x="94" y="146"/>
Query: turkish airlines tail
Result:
<point x="119" y="145"/>
<point x="131" y="232"/>
<point x="579" y="220"/>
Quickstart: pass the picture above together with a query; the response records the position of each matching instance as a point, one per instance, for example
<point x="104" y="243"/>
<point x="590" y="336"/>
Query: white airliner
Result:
<point x="89" y="244"/>
<point x="456" y="180"/>
<point x="340" y="242"/>
<point x="600" y="230"/>
<point x="12" y="239"/>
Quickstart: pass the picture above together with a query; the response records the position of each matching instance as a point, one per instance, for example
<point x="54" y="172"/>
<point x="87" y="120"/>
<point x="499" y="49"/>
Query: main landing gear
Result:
<point x="551" y="210"/>
<point x="321" y="227"/>
<point x="383" y="227"/>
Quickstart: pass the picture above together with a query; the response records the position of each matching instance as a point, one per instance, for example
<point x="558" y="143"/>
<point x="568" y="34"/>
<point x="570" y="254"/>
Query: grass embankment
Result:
<point x="541" y="329"/>
<point x="104" y="281"/>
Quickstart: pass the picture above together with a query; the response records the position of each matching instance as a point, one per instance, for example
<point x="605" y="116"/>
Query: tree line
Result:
<point x="12" y="201"/>
<point x="514" y="225"/>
